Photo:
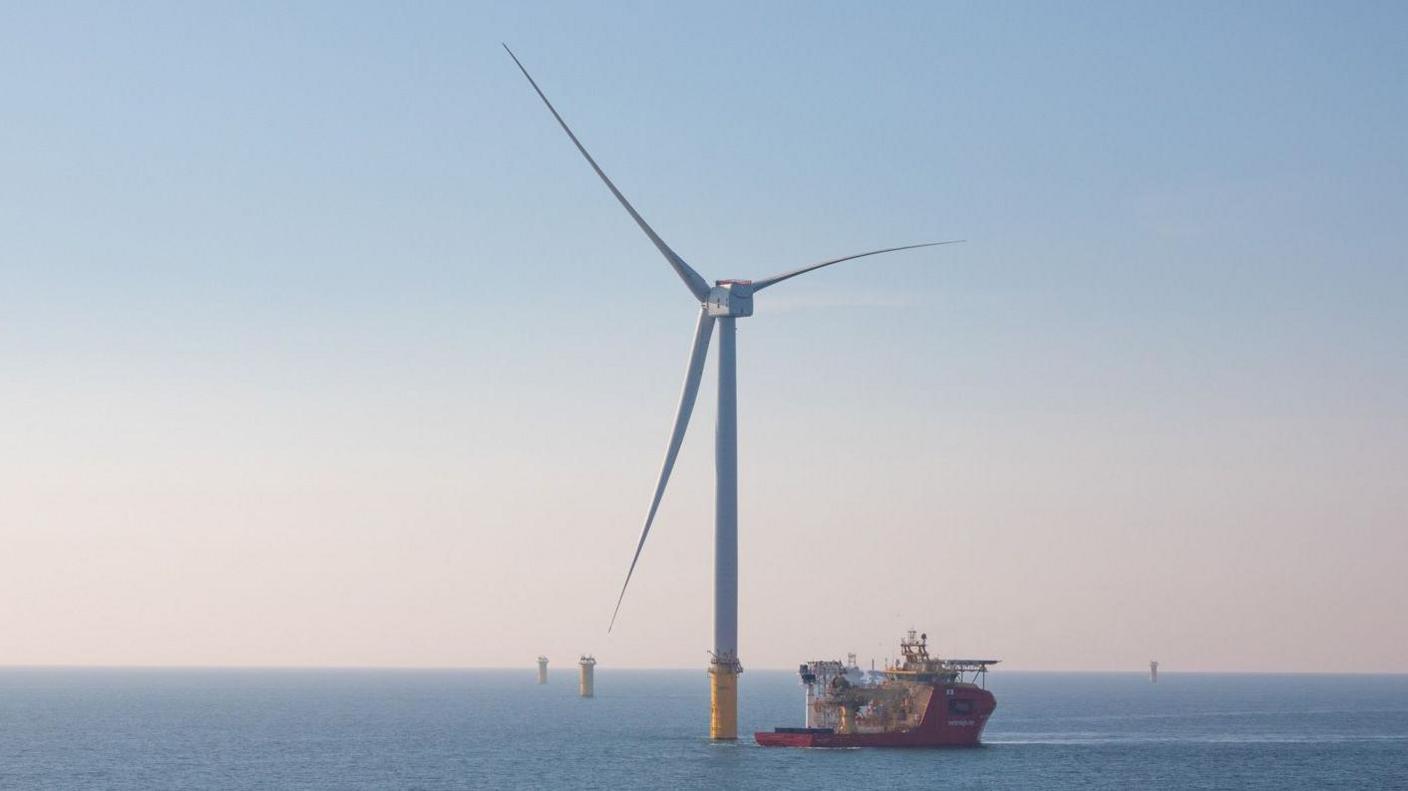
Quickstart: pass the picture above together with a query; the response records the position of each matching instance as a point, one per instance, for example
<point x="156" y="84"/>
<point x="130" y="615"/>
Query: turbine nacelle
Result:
<point x="730" y="298"/>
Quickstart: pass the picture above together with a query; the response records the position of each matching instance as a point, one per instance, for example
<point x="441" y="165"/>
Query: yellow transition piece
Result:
<point x="723" y="703"/>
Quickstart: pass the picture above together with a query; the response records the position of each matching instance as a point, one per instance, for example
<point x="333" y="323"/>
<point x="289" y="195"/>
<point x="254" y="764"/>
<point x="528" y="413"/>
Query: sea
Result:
<point x="147" y="729"/>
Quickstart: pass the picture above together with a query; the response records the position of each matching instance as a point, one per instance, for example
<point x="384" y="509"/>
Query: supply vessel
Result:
<point x="918" y="701"/>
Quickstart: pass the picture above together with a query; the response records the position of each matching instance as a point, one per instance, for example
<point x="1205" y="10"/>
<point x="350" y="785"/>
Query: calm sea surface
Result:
<point x="496" y="729"/>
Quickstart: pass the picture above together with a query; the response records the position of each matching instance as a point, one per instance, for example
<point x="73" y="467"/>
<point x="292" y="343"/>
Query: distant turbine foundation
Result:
<point x="586" y="684"/>
<point x="542" y="670"/>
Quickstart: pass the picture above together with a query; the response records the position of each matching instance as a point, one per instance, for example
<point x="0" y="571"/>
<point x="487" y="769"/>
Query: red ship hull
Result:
<point x="955" y="717"/>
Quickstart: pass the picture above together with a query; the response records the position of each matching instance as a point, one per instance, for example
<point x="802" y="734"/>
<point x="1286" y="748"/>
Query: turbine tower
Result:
<point x="722" y="303"/>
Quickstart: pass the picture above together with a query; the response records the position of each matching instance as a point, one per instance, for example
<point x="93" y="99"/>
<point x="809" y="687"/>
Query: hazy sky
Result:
<point x="320" y="345"/>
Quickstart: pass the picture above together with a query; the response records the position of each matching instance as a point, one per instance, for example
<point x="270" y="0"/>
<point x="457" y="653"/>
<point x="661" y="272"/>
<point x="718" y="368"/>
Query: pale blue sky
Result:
<point x="319" y="344"/>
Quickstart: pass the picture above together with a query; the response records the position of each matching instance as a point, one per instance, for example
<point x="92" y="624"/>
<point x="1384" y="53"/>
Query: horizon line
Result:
<point x="532" y="669"/>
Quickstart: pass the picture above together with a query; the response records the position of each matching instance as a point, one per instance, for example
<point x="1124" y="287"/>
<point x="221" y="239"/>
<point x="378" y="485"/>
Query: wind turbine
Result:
<point x="722" y="303"/>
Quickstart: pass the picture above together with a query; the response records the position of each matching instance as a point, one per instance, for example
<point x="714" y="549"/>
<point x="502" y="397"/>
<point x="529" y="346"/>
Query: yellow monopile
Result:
<point x="723" y="703"/>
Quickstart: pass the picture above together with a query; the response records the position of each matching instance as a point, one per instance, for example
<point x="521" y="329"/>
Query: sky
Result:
<point x="321" y="346"/>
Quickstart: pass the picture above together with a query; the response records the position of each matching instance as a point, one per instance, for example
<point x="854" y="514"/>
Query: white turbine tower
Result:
<point x="722" y="302"/>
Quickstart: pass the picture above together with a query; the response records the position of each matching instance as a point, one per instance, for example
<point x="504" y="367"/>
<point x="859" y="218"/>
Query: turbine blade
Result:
<point x="697" y="285"/>
<point x="759" y="285"/>
<point x="695" y="370"/>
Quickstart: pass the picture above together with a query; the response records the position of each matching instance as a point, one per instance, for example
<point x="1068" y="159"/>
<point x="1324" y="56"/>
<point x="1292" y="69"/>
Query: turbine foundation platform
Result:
<point x="723" y="700"/>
